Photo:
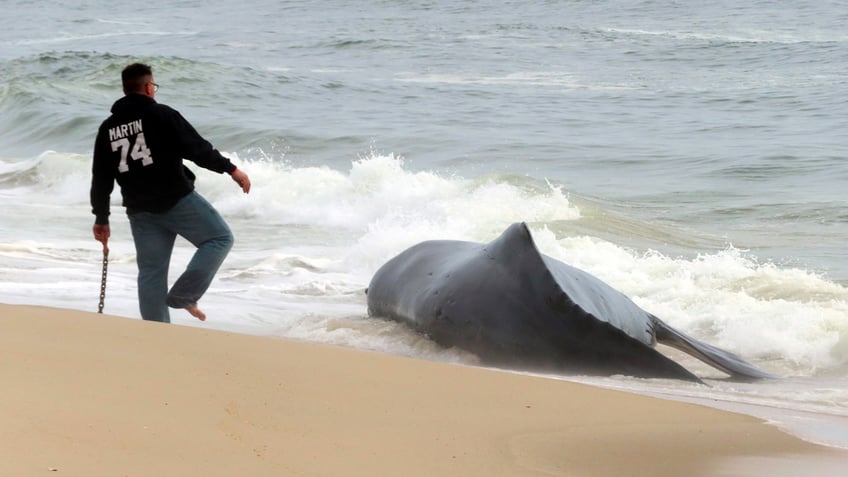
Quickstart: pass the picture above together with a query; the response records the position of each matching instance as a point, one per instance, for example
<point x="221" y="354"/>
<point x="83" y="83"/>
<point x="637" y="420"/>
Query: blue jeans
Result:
<point x="194" y="219"/>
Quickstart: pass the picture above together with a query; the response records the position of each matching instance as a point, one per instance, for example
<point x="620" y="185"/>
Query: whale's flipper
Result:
<point x="726" y="361"/>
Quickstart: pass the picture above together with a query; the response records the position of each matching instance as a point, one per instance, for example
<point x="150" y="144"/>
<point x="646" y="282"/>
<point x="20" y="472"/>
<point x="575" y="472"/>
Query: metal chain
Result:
<point x="103" y="280"/>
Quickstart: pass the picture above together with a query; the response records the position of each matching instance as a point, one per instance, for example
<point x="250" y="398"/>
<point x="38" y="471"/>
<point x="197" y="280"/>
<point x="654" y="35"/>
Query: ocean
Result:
<point x="693" y="155"/>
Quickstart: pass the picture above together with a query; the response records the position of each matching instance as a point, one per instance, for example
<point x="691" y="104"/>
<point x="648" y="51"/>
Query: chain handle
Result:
<point x="103" y="279"/>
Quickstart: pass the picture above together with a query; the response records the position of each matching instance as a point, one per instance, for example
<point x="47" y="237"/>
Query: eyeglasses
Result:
<point x="155" y="86"/>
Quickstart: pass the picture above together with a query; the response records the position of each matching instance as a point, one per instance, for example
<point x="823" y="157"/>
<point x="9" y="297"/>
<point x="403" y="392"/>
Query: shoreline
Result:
<point x="102" y="395"/>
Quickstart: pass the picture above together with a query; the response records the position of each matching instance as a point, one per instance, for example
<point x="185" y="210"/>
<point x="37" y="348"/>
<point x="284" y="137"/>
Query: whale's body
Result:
<point x="515" y="307"/>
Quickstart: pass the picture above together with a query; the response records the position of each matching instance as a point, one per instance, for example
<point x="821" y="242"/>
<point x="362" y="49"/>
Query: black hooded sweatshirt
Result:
<point x="142" y="145"/>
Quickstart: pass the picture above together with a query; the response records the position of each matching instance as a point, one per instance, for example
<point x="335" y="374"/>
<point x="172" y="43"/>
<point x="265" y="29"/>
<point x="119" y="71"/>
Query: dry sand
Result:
<point x="94" y="395"/>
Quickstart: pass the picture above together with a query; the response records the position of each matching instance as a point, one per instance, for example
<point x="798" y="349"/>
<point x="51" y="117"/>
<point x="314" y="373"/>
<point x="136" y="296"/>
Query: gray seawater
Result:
<point x="723" y="118"/>
<point x="693" y="156"/>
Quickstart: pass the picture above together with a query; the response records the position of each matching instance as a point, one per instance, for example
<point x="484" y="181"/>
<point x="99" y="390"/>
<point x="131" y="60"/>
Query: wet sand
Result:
<point x="96" y="395"/>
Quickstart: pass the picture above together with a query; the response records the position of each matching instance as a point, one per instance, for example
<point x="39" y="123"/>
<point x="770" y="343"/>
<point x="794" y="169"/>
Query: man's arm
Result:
<point x="200" y="151"/>
<point x="102" y="180"/>
<point x="194" y="147"/>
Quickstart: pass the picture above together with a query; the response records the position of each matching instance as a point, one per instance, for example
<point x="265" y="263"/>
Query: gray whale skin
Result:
<point x="516" y="308"/>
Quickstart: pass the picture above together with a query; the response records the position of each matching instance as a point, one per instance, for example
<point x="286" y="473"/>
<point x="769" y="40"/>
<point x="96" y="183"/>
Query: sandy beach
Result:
<point x="96" y="395"/>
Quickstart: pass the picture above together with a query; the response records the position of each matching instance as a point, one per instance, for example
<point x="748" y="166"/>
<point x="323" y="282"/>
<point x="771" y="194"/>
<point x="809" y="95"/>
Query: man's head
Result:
<point x="138" y="78"/>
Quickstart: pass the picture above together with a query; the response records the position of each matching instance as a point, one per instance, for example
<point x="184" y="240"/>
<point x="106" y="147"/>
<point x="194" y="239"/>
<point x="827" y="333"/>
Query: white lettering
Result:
<point x="125" y="130"/>
<point x="137" y="149"/>
<point x="122" y="144"/>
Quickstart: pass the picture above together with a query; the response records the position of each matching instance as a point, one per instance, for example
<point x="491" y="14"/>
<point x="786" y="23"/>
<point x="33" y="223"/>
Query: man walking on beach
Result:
<point x="142" y="146"/>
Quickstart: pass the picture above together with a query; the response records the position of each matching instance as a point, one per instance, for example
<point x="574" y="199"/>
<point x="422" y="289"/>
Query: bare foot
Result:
<point x="197" y="313"/>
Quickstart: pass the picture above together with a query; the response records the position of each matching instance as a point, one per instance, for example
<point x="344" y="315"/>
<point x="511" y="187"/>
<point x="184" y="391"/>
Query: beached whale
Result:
<point x="514" y="307"/>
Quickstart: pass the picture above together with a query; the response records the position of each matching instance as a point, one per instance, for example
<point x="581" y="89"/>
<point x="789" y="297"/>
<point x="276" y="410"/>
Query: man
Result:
<point x="142" y="146"/>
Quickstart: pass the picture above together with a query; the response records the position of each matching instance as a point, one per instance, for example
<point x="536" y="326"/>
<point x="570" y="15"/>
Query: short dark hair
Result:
<point x="135" y="76"/>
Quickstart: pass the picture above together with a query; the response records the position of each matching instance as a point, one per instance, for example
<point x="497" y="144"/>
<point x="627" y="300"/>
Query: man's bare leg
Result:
<point x="196" y="312"/>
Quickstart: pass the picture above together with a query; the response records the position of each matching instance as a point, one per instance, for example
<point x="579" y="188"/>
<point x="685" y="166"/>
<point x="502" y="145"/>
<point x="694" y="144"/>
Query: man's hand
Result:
<point x="241" y="179"/>
<point x="102" y="232"/>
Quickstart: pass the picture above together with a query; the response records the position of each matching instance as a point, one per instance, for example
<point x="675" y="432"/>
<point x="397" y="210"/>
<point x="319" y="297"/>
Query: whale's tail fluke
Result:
<point x="736" y="367"/>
